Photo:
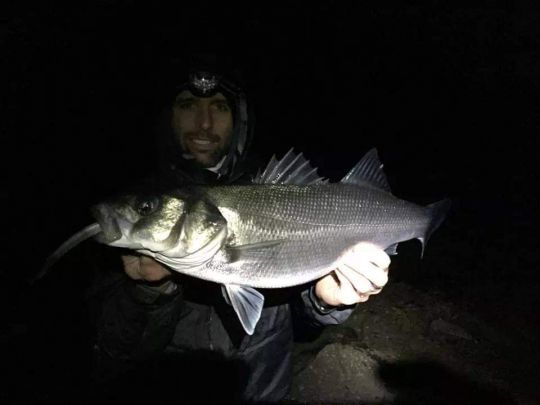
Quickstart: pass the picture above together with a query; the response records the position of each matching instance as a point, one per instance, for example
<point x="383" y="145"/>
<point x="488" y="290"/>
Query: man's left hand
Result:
<point x="362" y="272"/>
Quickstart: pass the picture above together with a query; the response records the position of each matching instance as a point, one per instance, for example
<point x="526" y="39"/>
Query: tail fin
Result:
<point x="437" y="213"/>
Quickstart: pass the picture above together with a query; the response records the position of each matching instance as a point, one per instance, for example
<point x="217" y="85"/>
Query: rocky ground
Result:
<point x="410" y="346"/>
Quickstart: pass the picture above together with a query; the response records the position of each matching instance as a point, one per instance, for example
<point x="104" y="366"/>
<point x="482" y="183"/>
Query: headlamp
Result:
<point x="203" y="84"/>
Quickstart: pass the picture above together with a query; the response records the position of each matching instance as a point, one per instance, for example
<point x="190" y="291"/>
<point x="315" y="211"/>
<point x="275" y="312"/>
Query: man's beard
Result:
<point x="213" y="158"/>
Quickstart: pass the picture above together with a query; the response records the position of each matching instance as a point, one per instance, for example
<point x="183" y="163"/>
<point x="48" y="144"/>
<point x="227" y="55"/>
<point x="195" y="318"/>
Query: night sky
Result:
<point x="447" y="94"/>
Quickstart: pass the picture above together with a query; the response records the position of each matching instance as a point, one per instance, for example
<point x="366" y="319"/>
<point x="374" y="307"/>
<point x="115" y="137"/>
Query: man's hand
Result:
<point x="363" y="272"/>
<point x="144" y="268"/>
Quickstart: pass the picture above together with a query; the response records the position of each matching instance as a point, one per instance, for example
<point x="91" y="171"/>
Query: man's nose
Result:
<point x="204" y="118"/>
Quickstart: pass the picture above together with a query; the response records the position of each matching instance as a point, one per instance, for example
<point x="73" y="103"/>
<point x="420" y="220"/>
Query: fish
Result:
<point x="288" y="227"/>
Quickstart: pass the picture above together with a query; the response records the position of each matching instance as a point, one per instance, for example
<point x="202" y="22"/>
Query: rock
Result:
<point x="447" y="328"/>
<point x="340" y="374"/>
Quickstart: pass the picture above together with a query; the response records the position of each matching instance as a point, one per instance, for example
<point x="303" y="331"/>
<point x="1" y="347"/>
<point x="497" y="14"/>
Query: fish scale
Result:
<point x="315" y="224"/>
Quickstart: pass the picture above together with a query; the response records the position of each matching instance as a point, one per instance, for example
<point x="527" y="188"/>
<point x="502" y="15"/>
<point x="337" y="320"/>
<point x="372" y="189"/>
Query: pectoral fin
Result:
<point x="253" y="251"/>
<point x="247" y="303"/>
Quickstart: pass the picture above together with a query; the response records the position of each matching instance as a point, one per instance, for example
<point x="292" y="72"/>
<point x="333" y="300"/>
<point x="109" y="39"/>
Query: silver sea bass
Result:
<point x="287" y="228"/>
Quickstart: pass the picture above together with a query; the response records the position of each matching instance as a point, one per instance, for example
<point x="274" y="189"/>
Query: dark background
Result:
<point x="447" y="93"/>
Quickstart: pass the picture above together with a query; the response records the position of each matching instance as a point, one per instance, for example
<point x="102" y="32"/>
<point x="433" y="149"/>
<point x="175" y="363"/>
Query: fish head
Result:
<point x="173" y="224"/>
<point x="140" y="221"/>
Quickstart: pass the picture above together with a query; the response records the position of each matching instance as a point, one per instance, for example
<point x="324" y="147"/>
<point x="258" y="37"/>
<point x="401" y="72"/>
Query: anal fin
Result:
<point x="247" y="303"/>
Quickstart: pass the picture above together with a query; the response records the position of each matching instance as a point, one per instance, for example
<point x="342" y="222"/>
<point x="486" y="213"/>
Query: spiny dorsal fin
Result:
<point x="368" y="170"/>
<point x="291" y="169"/>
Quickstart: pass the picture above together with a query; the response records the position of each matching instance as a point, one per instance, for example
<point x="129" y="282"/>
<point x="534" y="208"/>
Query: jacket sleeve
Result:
<point x="133" y="321"/>
<point x="309" y="310"/>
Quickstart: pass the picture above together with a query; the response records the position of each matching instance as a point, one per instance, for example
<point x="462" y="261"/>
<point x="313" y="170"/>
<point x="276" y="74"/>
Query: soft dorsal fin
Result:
<point x="291" y="169"/>
<point x="368" y="170"/>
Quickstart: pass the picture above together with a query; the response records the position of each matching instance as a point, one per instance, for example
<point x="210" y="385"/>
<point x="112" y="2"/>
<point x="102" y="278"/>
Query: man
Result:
<point x="155" y="313"/>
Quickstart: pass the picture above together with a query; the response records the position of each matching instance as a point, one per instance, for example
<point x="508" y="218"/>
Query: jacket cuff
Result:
<point x="154" y="294"/>
<point x="321" y="307"/>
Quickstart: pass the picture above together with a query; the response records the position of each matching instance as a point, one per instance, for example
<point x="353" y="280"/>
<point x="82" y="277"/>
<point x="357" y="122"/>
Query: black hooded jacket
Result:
<point x="182" y="338"/>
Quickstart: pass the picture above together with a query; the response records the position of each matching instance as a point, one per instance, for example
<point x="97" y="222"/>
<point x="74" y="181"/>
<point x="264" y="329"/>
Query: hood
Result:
<point x="204" y="81"/>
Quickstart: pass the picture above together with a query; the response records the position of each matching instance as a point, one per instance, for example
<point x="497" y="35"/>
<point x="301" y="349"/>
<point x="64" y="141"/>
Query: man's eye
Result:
<point x="186" y="105"/>
<point x="223" y="107"/>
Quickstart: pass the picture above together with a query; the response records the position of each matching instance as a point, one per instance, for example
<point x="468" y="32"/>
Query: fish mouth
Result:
<point x="110" y="229"/>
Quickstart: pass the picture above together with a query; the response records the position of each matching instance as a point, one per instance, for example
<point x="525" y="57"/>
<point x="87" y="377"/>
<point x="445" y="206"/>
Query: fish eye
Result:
<point x="147" y="206"/>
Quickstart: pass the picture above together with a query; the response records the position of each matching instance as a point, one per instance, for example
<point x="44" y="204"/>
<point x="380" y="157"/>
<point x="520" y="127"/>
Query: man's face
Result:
<point x="203" y="126"/>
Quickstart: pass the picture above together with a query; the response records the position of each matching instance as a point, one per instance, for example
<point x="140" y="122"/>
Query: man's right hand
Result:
<point x="144" y="268"/>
